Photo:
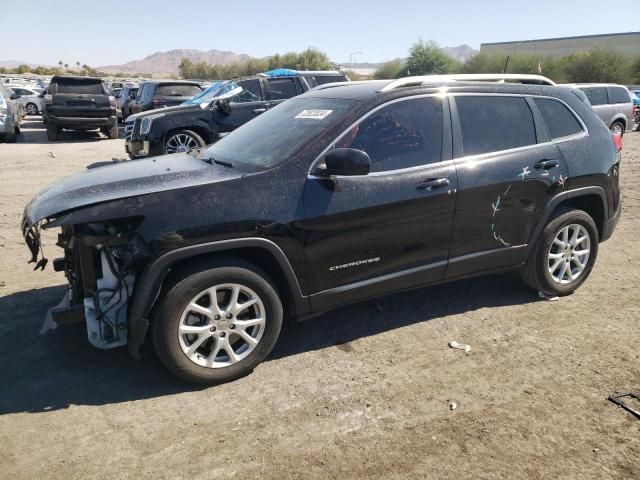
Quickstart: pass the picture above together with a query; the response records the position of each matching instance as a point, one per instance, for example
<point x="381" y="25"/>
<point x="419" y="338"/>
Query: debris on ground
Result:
<point x="452" y="405"/>
<point x="616" y="397"/>
<point x="547" y="297"/>
<point x="52" y="155"/>
<point x="460" y="346"/>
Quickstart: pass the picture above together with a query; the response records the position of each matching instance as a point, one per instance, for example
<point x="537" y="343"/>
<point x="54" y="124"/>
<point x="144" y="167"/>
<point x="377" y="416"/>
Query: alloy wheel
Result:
<point x="180" y="143"/>
<point x="617" y="128"/>
<point x="222" y="325"/>
<point x="32" y="109"/>
<point x="568" y="254"/>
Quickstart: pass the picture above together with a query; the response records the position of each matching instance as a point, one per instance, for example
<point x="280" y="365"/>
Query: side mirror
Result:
<point x="224" y="106"/>
<point x="14" y="96"/>
<point x="346" y="162"/>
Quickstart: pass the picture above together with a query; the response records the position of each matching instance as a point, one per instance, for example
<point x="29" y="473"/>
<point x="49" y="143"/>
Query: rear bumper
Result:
<point x="82" y="121"/>
<point x="610" y="225"/>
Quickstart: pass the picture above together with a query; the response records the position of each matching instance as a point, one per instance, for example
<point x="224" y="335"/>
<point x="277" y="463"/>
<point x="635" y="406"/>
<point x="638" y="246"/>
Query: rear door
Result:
<point x="508" y="170"/>
<point x="245" y="106"/>
<point x="79" y="97"/>
<point x="390" y="229"/>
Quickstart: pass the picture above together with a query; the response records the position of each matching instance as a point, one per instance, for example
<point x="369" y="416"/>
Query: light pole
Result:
<point x="351" y="55"/>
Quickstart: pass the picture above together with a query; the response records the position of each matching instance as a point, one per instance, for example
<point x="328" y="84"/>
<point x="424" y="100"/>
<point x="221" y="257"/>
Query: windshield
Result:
<point x="206" y="95"/>
<point x="275" y="136"/>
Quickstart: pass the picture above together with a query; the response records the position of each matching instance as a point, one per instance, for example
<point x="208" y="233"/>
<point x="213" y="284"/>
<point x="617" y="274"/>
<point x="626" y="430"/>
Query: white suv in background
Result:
<point x="612" y="103"/>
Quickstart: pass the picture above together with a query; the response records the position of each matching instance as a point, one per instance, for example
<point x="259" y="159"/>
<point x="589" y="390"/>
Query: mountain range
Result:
<point x="167" y="62"/>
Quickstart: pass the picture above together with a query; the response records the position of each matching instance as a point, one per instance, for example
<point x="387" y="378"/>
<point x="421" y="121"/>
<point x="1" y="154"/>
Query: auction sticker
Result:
<point x="314" y="114"/>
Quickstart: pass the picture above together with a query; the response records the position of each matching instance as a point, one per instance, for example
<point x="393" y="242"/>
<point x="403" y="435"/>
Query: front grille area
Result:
<point x="128" y="130"/>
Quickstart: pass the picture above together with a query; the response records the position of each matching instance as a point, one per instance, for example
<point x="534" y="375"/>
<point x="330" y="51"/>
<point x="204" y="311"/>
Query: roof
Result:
<point x="555" y="39"/>
<point x="583" y="85"/>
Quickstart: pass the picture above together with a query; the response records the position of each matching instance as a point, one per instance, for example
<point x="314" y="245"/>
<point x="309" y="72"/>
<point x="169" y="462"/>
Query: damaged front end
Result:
<point x="101" y="263"/>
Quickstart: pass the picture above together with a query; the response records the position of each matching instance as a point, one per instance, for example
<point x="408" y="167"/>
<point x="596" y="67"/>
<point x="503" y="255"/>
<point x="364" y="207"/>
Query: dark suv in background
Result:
<point x="345" y="193"/>
<point x="153" y="95"/>
<point x="79" y="103"/>
<point x="231" y="105"/>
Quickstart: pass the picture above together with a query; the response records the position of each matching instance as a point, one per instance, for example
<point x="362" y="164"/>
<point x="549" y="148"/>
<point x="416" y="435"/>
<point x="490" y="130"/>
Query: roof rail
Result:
<point x="468" y="77"/>
<point x="324" y="86"/>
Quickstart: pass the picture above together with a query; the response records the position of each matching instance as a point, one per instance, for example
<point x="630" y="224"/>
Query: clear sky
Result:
<point x="114" y="32"/>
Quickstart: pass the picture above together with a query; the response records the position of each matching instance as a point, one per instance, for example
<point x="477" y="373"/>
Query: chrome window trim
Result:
<point x="361" y="119"/>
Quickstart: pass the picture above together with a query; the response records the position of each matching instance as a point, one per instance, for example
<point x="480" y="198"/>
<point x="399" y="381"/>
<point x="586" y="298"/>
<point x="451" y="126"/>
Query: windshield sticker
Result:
<point x="314" y="114"/>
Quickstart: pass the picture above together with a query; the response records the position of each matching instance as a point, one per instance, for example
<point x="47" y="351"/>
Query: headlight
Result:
<point x="146" y="126"/>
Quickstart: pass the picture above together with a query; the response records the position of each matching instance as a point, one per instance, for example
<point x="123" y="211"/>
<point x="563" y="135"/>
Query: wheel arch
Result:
<point x="619" y="119"/>
<point x="201" y="130"/>
<point x="261" y="252"/>
<point x="592" y="200"/>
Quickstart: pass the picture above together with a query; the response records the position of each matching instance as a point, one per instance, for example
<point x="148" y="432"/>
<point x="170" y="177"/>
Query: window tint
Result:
<point x="282" y="88"/>
<point x="558" y="118"/>
<point x="401" y="135"/>
<point x="79" y="86"/>
<point x="251" y="92"/>
<point x="596" y="95"/>
<point x="322" y="79"/>
<point x="178" y="90"/>
<point x="619" y="95"/>
<point x="492" y="124"/>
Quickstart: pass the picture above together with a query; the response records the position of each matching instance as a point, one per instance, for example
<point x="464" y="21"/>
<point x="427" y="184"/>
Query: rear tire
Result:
<point x="175" y="312"/>
<point x="550" y="251"/>
<point x="53" y="133"/>
<point x="617" y="127"/>
<point x="32" y="109"/>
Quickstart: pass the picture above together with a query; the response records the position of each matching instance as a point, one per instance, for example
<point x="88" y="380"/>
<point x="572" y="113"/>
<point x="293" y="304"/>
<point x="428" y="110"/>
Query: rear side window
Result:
<point x="558" y="118"/>
<point x="596" y="95"/>
<point x="401" y="135"/>
<point x="178" y="90"/>
<point x="619" y="95"/>
<point x="322" y="79"/>
<point x="79" y="86"/>
<point x="282" y="88"/>
<point x="492" y="124"/>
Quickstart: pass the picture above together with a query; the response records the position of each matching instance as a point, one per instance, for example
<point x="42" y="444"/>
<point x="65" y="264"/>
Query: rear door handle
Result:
<point x="546" y="164"/>
<point x="433" y="183"/>
<point x="259" y="110"/>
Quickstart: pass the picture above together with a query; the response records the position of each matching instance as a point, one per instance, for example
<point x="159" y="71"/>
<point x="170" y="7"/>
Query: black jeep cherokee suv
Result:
<point x="336" y="196"/>
<point x="187" y="127"/>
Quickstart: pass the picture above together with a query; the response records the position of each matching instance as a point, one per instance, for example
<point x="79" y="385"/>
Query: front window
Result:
<point x="277" y="135"/>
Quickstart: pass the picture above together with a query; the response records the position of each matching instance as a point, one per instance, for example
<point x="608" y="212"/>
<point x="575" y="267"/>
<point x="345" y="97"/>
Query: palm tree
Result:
<point x="78" y="65"/>
<point x="66" y="66"/>
<point x="60" y="63"/>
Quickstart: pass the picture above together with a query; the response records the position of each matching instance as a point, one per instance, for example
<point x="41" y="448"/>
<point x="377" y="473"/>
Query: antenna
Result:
<point x="506" y="64"/>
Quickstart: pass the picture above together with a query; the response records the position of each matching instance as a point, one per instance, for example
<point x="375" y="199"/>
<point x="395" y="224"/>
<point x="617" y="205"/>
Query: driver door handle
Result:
<point x="546" y="164"/>
<point x="432" y="183"/>
<point x="259" y="110"/>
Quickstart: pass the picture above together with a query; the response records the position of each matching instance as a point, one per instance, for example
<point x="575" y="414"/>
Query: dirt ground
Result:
<point x="362" y="392"/>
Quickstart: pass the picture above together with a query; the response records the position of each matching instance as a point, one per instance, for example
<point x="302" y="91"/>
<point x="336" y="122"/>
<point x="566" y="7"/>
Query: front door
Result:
<point x="245" y="106"/>
<point x="388" y="230"/>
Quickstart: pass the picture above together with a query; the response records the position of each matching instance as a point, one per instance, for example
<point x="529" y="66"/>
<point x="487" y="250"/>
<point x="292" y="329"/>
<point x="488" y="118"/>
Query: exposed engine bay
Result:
<point x="101" y="262"/>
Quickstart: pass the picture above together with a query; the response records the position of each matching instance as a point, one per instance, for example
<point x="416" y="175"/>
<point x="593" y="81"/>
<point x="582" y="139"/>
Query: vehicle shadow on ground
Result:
<point x="33" y="131"/>
<point x="53" y="371"/>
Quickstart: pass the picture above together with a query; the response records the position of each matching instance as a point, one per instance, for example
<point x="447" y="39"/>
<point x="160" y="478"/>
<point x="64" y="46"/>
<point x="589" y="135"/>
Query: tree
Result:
<point x="23" y="69"/>
<point x="78" y="65"/>
<point x="61" y="63"/>
<point x="66" y="66"/>
<point x="389" y="70"/>
<point x="426" y="58"/>
<point x="600" y="66"/>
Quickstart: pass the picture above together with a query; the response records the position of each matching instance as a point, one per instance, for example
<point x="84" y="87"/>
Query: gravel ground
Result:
<point x="362" y="392"/>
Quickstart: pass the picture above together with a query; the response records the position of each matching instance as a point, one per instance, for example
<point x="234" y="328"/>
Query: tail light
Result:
<point x="112" y="101"/>
<point x="48" y="99"/>
<point x="617" y="140"/>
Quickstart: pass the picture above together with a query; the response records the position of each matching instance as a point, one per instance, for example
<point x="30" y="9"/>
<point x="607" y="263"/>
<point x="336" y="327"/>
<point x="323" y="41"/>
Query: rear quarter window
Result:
<point x="619" y="95"/>
<point x="494" y="123"/>
<point x="596" y="95"/>
<point x="558" y="118"/>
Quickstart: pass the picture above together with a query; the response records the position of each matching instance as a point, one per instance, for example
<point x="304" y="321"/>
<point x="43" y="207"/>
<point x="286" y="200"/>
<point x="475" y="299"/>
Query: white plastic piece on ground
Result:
<point x="453" y="405"/>
<point x="460" y="346"/>
<point x="49" y="324"/>
<point x="101" y="334"/>
<point x="550" y="298"/>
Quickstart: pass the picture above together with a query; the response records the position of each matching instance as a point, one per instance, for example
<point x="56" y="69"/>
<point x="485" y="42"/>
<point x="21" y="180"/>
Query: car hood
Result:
<point x="164" y="111"/>
<point x="122" y="180"/>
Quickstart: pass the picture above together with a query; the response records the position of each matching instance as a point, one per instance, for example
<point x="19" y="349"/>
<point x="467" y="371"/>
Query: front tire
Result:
<point x="53" y="133"/>
<point x="182" y="141"/>
<point x="564" y="254"/>
<point x="216" y="324"/>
